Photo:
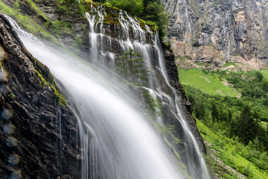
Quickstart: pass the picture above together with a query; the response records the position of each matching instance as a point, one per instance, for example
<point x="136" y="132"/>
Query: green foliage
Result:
<point x="259" y="76"/>
<point x="69" y="7"/>
<point x="37" y="10"/>
<point x="265" y="74"/>
<point x="154" y="104"/>
<point x="155" y="12"/>
<point x="134" y="7"/>
<point x="151" y="11"/>
<point x="209" y="83"/>
<point x="240" y="122"/>
<point x="44" y="82"/>
<point x="130" y="65"/>
<point x="26" y="21"/>
<point x="248" y="160"/>
<point x="247" y="126"/>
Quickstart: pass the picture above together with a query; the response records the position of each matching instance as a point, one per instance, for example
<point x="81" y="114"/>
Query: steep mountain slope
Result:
<point x="67" y="21"/>
<point x="219" y="31"/>
<point x="36" y="123"/>
<point x="212" y="41"/>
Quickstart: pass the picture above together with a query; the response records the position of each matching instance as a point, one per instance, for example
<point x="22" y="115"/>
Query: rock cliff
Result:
<point x="67" y="21"/>
<point x="219" y="31"/>
<point x="39" y="134"/>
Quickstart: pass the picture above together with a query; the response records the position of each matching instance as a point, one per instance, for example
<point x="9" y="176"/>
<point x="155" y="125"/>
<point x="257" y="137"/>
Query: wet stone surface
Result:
<point x="30" y="117"/>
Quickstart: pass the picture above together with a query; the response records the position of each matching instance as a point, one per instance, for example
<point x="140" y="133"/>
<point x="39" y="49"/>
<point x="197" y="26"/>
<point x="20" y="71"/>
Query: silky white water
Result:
<point x="151" y="54"/>
<point x="117" y="140"/>
<point x="124" y="144"/>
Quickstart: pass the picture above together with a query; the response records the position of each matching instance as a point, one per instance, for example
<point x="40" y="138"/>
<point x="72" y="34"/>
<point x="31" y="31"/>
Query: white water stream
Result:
<point x="117" y="140"/>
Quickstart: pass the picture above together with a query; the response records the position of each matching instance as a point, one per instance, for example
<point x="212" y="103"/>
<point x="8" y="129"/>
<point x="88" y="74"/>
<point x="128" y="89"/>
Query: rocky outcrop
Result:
<point x="185" y="104"/>
<point x="219" y="31"/>
<point x="69" y="22"/>
<point x="39" y="133"/>
<point x="65" y="22"/>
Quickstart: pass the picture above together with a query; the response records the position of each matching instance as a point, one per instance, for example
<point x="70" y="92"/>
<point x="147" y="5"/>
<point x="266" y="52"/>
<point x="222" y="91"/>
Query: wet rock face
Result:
<point x="185" y="104"/>
<point x="38" y="132"/>
<point x="109" y="41"/>
<point x="219" y="29"/>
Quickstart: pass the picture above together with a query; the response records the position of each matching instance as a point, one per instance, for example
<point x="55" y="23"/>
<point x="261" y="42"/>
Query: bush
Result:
<point x="134" y="7"/>
<point x="155" y="12"/>
<point x="259" y="76"/>
<point x="149" y="10"/>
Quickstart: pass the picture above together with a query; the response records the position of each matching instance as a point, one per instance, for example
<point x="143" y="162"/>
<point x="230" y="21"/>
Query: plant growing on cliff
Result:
<point x="134" y="7"/>
<point x="151" y="11"/>
<point x="155" y="12"/>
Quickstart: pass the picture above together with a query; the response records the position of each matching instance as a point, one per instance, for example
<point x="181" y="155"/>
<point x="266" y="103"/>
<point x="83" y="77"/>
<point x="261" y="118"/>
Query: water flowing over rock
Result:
<point x="126" y="87"/>
<point x="40" y="134"/>
<point x="221" y="30"/>
<point x="137" y="55"/>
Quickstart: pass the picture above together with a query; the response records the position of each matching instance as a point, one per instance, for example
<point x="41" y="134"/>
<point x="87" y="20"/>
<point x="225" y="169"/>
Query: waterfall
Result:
<point x="117" y="137"/>
<point x="156" y="87"/>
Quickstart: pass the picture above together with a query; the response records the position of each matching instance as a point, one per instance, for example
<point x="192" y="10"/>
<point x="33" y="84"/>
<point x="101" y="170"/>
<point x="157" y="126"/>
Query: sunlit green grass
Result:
<point x="27" y="22"/>
<point x="230" y="152"/>
<point x="209" y="83"/>
<point x="265" y="74"/>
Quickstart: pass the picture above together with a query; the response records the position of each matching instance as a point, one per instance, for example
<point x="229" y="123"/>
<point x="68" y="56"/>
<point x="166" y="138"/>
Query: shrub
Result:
<point x="134" y="7"/>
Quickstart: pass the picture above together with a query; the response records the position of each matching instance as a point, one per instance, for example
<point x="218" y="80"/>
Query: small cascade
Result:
<point x="190" y="137"/>
<point x="93" y="37"/>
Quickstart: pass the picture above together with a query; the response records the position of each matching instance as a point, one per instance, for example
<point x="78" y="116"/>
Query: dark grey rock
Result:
<point x="32" y="143"/>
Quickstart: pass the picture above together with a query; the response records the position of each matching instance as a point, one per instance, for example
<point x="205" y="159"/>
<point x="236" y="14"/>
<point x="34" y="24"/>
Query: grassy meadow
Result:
<point x="231" y="109"/>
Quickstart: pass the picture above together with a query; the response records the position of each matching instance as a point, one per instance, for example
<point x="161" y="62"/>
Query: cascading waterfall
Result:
<point x="117" y="141"/>
<point x="150" y="52"/>
<point x="122" y="141"/>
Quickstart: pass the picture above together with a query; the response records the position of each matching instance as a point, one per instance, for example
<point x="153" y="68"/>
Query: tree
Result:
<point x="200" y="111"/>
<point x="214" y="112"/>
<point x="155" y="12"/>
<point x="247" y="127"/>
<point x="259" y="76"/>
<point x="134" y="7"/>
<point x="230" y="115"/>
<point x="265" y="101"/>
<point x="265" y="86"/>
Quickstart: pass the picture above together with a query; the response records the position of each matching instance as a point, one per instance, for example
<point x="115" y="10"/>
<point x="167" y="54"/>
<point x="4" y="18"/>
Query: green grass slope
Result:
<point x="231" y="108"/>
<point x="265" y="74"/>
<point x="232" y="153"/>
<point x="208" y="83"/>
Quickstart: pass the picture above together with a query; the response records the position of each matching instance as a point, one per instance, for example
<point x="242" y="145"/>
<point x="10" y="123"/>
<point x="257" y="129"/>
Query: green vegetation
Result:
<point x="227" y="64"/>
<point x="265" y="74"/>
<point x="148" y="12"/>
<point x="130" y="65"/>
<point x="151" y="11"/>
<point x="239" y="124"/>
<point x="52" y="86"/>
<point x="134" y="7"/>
<point x="247" y="160"/>
<point x="36" y="9"/>
<point x="209" y="83"/>
<point x="26" y="21"/>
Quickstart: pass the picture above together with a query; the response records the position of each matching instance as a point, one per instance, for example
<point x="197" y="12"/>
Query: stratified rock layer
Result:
<point x="39" y="133"/>
<point x="220" y="30"/>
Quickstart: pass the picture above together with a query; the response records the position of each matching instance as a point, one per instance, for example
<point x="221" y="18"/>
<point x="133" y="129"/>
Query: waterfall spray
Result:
<point x="117" y="140"/>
